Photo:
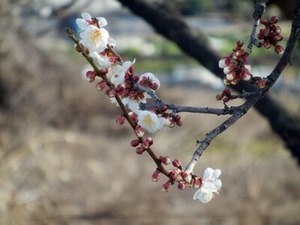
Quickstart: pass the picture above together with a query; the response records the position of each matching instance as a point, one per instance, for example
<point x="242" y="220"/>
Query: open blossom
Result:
<point x="94" y="38"/>
<point x="150" y="121"/>
<point x="210" y="185"/>
<point x="117" y="72"/>
<point x="101" y="60"/>
<point x="87" y="20"/>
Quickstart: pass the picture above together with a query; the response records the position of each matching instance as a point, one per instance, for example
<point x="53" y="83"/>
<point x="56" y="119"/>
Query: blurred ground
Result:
<point x="64" y="161"/>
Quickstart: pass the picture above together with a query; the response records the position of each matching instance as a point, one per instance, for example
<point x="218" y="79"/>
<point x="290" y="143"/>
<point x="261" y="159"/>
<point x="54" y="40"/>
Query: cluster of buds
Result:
<point x="225" y="96"/>
<point x="236" y="66"/>
<point x="141" y="144"/>
<point x="206" y="185"/>
<point x="177" y="175"/>
<point x="271" y="34"/>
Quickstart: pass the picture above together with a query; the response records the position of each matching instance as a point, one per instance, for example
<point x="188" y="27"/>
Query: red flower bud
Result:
<point x="181" y="185"/>
<point x="176" y="163"/>
<point x="166" y="186"/>
<point x="165" y="160"/>
<point x="135" y="142"/>
<point x="140" y="150"/>
<point x="156" y="176"/>
<point x="120" y="120"/>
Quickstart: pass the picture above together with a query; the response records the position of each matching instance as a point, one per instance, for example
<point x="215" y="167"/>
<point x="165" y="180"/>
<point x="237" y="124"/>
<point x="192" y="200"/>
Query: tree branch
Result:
<point x="169" y="24"/>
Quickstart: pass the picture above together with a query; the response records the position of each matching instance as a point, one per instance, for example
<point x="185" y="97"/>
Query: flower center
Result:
<point x="148" y="120"/>
<point x="96" y="36"/>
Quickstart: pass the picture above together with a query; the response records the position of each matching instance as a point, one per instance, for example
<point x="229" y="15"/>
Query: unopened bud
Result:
<point x="139" y="131"/>
<point x="197" y="183"/>
<point x="101" y="85"/>
<point x="166" y="186"/>
<point x="120" y="120"/>
<point x="165" y="160"/>
<point x="139" y="150"/>
<point x="181" y="185"/>
<point x="278" y="49"/>
<point x="186" y="175"/>
<point x="135" y="142"/>
<point x="156" y="176"/>
<point x="90" y="75"/>
<point x="176" y="163"/>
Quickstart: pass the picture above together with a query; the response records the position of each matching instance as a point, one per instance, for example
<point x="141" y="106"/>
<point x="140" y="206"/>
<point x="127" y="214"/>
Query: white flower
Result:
<point x="101" y="60"/>
<point x="117" y="72"/>
<point x="132" y="104"/>
<point x="149" y="121"/>
<point x="94" y="38"/>
<point x="210" y="185"/>
<point x="248" y="67"/>
<point x="86" y="20"/>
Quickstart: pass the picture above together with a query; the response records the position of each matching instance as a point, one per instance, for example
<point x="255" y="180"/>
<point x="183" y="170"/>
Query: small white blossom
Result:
<point x="149" y="121"/>
<point x="86" y="20"/>
<point x="101" y="60"/>
<point x="117" y="72"/>
<point x="210" y="185"/>
<point x="94" y="38"/>
<point x="132" y="104"/>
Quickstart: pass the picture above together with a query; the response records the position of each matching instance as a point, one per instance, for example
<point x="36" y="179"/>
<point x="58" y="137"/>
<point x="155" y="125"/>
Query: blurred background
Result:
<point x="63" y="159"/>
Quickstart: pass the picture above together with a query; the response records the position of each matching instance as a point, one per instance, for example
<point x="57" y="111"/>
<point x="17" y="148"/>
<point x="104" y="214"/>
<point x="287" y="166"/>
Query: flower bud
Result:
<point x="176" y="163"/>
<point x="101" y="85"/>
<point x="173" y="174"/>
<point x="111" y="93"/>
<point x="156" y="176"/>
<point x="165" y="160"/>
<point x="279" y="50"/>
<point x="120" y="120"/>
<point x="274" y="19"/>
<point x="139" y="150"/>
<point x="227" y="91"/>
<point x="181" y="185"/>
<point x="166" y="186"/>
<point x="150" y="141"/>
<point x="219" y="96"/>
<point x="197" y="183"/>
<point x="139" y="131"/>
<point x="186" y="175"/>
<point x="90" y="75"/>
<point x="135" y="142"/>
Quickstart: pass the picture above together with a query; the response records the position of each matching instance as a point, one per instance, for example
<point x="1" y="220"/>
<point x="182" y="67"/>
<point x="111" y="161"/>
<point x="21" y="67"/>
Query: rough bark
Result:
<point x="169" y="24"/>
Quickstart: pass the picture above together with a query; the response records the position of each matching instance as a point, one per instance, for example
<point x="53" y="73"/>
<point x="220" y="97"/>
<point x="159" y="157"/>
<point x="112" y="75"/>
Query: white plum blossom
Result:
<point x="86" y="20"/>
<point x="150" y="121"/>
<point x="117" y="72"/>
<point x="133" y="104"/>
<point x="210" y="185"/>
<point x="94" y="38"/>
<point x="101" y="60"/>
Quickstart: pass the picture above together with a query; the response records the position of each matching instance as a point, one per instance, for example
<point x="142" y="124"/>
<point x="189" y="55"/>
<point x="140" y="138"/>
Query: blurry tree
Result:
<point x="169" y="24"/>
<point x="286" y="6"/>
